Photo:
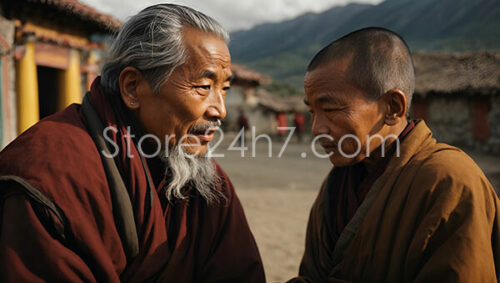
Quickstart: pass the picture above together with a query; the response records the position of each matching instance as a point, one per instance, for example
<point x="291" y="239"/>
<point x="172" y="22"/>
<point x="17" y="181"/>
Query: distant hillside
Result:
<point x="282" y="50"/>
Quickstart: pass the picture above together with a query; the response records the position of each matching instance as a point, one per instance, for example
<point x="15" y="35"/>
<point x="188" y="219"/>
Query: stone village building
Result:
<point x="259" y="105"/>
<point x="458" y="95"/>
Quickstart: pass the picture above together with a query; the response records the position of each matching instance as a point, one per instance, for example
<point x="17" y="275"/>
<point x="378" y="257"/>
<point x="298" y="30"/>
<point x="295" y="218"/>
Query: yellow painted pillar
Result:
<point x="93" y="57"/>
<point x="70" y="85"/>
<point x="28" y="112"/>
<point x="92" y="69"/>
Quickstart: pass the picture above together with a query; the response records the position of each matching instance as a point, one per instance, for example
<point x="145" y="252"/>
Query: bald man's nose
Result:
<point x="319" y="126"/>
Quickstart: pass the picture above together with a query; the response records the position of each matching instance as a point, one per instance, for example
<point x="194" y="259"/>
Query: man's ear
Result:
<point x="396" y="105"/>
<point x="129" y="81"/>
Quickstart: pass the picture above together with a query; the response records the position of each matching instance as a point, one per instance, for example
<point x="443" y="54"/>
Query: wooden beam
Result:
<point x="50" y="55"/>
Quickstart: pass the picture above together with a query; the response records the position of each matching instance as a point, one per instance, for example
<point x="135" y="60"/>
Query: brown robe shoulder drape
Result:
<point x="431" y="217"/>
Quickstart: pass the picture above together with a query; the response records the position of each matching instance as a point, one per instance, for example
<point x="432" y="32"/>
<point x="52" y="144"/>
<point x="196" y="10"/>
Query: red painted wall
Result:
<point x="481" y="110"/>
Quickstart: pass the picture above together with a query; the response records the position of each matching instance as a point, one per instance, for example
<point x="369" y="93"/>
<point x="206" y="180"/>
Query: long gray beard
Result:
<point x="198" y="172"/>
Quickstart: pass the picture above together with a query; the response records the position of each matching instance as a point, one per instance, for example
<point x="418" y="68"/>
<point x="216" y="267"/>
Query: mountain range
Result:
<point x="282" y="50"/>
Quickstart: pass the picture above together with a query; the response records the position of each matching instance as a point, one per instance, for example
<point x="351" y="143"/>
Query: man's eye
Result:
<point x="330" y="110"/>
<point x="226" y="88"/>
<point x="205" y="87"/>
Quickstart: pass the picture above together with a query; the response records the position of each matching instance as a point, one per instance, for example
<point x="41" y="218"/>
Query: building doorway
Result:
<point x="48" y="90"/>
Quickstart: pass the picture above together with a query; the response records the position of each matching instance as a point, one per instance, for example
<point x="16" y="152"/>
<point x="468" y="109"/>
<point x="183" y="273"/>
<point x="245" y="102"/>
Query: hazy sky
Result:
<point x="232" y="14"/>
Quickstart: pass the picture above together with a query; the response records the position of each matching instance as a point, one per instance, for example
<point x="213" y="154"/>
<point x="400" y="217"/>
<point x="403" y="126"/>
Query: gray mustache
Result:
<point x="203" y="127"/>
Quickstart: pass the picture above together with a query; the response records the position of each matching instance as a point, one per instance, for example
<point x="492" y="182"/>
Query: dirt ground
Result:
<point x="277" y="194"/>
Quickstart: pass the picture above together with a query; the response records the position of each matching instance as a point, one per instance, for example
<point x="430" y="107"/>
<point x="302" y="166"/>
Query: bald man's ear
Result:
<point x="129" y="81"/>
<point x="396" y="105"/>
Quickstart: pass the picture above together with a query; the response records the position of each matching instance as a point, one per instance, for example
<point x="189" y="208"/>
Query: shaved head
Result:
<point x="379" y="60"/>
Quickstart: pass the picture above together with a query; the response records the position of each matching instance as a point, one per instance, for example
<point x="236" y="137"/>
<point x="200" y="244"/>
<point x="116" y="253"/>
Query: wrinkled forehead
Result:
<point x="330" y="84"/>
<point x="325" y="78"/>
<point x="205" y="46"/>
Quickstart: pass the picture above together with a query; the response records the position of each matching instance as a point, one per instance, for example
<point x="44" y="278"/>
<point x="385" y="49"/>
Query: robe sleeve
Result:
<point x="458" y="237"/>
<point x="235" y="257"/>
<point x="29" y="252"/>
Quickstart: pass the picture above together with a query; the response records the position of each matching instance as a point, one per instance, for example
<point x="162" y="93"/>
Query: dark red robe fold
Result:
<point x="188" y="241"/>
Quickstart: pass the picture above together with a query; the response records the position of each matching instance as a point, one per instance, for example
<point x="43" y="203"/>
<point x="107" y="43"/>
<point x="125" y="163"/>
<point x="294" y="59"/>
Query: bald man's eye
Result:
<point x="226" y="88"/>
<point x="204" y="87"/>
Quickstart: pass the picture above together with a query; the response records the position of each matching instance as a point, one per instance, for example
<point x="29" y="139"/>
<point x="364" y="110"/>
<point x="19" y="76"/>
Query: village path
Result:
<point x="277" y="194"/>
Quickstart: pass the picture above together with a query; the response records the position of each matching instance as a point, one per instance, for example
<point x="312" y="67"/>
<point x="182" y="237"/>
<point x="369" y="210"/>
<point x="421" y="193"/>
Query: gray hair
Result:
<point x="380" y="61"/>
<point x="152" y="42"/>
<point x="196" y="172"/>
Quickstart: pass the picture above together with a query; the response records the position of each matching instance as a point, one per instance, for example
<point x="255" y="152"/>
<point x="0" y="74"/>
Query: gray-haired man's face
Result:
<point x="192" y="101"/>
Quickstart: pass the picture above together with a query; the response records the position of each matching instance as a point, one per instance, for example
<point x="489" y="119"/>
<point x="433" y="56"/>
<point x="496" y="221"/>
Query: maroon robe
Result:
<point x="65" y="231"/>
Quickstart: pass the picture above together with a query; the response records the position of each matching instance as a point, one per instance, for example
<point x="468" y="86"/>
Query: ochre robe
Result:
<point x="66" y="232"/>
<point x="352" y="183"/>
<point x="432" y="216"/>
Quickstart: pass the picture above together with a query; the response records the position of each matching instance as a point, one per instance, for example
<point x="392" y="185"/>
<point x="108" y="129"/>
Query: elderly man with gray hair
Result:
<point x="121" y="187"/>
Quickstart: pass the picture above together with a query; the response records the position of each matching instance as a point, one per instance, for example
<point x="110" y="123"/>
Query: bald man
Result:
<point x="397" y="206"/>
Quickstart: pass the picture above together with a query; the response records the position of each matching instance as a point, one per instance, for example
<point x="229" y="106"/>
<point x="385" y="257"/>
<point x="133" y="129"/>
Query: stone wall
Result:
<point x="451" y="120"/>
<point x="494" y="123"/>
<point x="258" y="116"/>
<point x="262" y="119"/>
<point x="234" y="102"/>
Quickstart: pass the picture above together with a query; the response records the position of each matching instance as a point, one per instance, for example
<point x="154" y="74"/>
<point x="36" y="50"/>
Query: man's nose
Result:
<point x="319" y="126"/>
<point x="217" y="107"/>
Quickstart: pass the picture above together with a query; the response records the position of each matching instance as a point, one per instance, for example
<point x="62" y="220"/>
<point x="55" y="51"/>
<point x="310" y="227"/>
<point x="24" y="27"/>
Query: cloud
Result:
<point x="231" y="15"/>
